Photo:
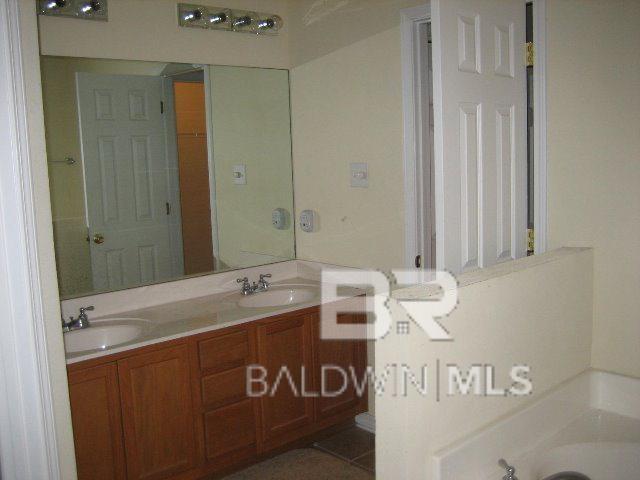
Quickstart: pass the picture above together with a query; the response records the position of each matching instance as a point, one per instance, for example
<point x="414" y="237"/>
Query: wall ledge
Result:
<point x="495" y="271"/>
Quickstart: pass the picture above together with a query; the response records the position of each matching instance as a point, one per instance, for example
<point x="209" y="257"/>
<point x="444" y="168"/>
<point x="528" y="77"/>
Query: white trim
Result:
<point x="366" y="421"/>
<point x="28" y="447"/>
<point x="172" y="167"/>
<point x="540" y="125"/>
<point x="215" y="242"/>
<point x="411" y="18"/>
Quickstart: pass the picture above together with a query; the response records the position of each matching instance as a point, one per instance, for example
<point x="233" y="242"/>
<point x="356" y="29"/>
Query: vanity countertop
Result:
<point x="184" y="318"/>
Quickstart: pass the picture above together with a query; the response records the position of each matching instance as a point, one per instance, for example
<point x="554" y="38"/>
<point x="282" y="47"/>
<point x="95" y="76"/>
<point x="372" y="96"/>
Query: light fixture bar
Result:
<point x="82" y="9"/>
<point x="217" y="18"/>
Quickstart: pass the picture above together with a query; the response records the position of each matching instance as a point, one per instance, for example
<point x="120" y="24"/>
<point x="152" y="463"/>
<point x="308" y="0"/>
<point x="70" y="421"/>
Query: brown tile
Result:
<point x="367" y="461"/>
<point x="348" y="444"/>
<point x="303" y="464"/>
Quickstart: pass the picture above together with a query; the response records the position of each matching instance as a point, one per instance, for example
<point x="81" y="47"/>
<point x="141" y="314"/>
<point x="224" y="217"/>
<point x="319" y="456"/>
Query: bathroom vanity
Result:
<point x="179" y="408"/>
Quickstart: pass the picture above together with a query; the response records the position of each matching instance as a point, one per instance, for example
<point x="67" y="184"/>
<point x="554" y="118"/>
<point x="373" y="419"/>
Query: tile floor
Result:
<point x="353" y="445"/>
<point x="347" y="455"/>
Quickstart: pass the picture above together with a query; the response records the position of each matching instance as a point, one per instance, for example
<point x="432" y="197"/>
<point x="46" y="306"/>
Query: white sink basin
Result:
<point x="279" y="296"/>
<point x="103" y="334"/>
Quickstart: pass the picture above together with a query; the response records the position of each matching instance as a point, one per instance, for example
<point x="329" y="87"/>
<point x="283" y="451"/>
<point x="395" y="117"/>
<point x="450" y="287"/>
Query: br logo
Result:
<point x="438" y="291"/>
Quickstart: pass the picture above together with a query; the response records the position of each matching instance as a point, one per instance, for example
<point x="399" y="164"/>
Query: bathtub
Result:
<point x="599" y="444"/>
<point x="589" y="425"/>
<point x="598" y="460"/>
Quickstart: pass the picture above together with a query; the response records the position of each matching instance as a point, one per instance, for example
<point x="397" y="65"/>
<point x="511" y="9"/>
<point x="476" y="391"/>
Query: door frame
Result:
<point x="540" y="214"/>
<point x="412" y="77"/>
<point x="28" y="439"/>
<point x="213" y="204"/>
<point x="412" y="81"/>
<point x="173" y="180"/>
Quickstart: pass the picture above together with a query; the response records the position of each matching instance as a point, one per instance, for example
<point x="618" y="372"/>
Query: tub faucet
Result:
<point x="511" y="471"/>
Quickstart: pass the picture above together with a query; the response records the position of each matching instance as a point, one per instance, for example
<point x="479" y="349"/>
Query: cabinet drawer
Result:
<point x="223" y="388"/>
<point x="225" y="352"/>
<point x="229" y="428"/>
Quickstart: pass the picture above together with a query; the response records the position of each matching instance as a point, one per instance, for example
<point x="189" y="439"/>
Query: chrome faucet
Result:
<point x="248" y="288"/>
<point x="511" y="471"/>
<point x="77" y="323"/>
<point x="263" y="285"/>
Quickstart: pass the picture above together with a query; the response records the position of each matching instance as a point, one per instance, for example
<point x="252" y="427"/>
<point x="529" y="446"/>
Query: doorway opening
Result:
<point x="495" y="195"/>
<point x="193" y="171"/>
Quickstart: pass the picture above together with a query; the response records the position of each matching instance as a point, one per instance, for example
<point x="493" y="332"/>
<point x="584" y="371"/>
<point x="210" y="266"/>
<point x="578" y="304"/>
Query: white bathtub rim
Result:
<point x="541" y="419"/>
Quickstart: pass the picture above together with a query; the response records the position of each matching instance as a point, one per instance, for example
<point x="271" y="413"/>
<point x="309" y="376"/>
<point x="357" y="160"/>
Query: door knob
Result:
<point x="98" y="238"/>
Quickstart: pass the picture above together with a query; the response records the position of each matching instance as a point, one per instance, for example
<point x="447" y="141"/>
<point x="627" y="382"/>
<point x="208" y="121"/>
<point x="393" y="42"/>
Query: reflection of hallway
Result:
<point x="193" y="166"/>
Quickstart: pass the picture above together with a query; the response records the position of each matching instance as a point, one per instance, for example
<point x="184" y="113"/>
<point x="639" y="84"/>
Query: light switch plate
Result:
<point x="240" y="174"/>
<point x="359" y="175"/>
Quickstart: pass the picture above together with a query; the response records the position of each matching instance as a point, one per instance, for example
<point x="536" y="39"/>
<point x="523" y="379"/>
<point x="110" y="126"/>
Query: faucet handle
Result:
<point x="265" y="275"/>
<point x="243" y="280"/>
<point x="90" y="308"/>
<point x="511" y="471"/>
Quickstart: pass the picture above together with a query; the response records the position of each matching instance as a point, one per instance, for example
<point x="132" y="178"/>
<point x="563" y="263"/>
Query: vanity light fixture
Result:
<point x="83" y="9"/>
<point x="216" y="18"/>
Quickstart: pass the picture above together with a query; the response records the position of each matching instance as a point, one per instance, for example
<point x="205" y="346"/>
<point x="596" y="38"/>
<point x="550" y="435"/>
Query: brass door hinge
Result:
<point x="531" y="241"/>
<point x="530" y="54"/>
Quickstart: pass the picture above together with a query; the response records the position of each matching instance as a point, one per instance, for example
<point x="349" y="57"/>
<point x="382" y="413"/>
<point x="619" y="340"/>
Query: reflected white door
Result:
<point x="480" y="132"/>
<point x="126" y="183"/>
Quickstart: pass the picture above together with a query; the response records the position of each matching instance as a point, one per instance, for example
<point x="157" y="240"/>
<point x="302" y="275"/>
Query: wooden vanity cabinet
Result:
<point x="285" y="352"/>
<point x="180" y="410"/>
<point x="157" y="415"/>
<point x="225" y="417"/>
<point x="331" y="358"/>
<point x="97" y="423"/>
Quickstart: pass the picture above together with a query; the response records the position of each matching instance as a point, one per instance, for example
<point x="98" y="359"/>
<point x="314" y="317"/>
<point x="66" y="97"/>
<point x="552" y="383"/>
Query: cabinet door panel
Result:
<point x="284" y="349"/>
<point x="229" y="428"/>
<point x="157" y="413"/>
<point x="97" y="424"/>
<point x="338" y="392"/>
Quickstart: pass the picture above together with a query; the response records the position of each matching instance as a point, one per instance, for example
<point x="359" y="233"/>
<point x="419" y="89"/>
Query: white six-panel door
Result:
<point x="480" y="132"/>
<point x="126" y="183"/>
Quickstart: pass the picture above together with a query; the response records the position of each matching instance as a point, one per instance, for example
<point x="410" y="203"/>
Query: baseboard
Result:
<point x="366" y="421"/>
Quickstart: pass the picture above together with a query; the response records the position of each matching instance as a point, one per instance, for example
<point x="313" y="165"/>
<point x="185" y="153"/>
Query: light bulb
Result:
<point x="90" y="7"/>
<point x="192" y="16"/>
<point x="272" y="23"/>
<point x="243" y="21"/>
<point x="216" y="18"/>
<point x="55" y="4"/>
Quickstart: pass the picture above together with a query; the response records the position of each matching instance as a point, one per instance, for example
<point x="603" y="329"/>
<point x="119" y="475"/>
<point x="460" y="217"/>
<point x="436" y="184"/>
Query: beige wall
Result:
<point x="594" y="160"/>
<point x="346" y="93"/>
<point x="501" y="321"/>
<point x="251" y="126"/>
<point x="148" y="30"/>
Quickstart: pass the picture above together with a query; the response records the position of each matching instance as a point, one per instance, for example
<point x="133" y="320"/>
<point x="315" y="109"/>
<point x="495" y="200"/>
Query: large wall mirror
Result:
<point x="160" y="170"/>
